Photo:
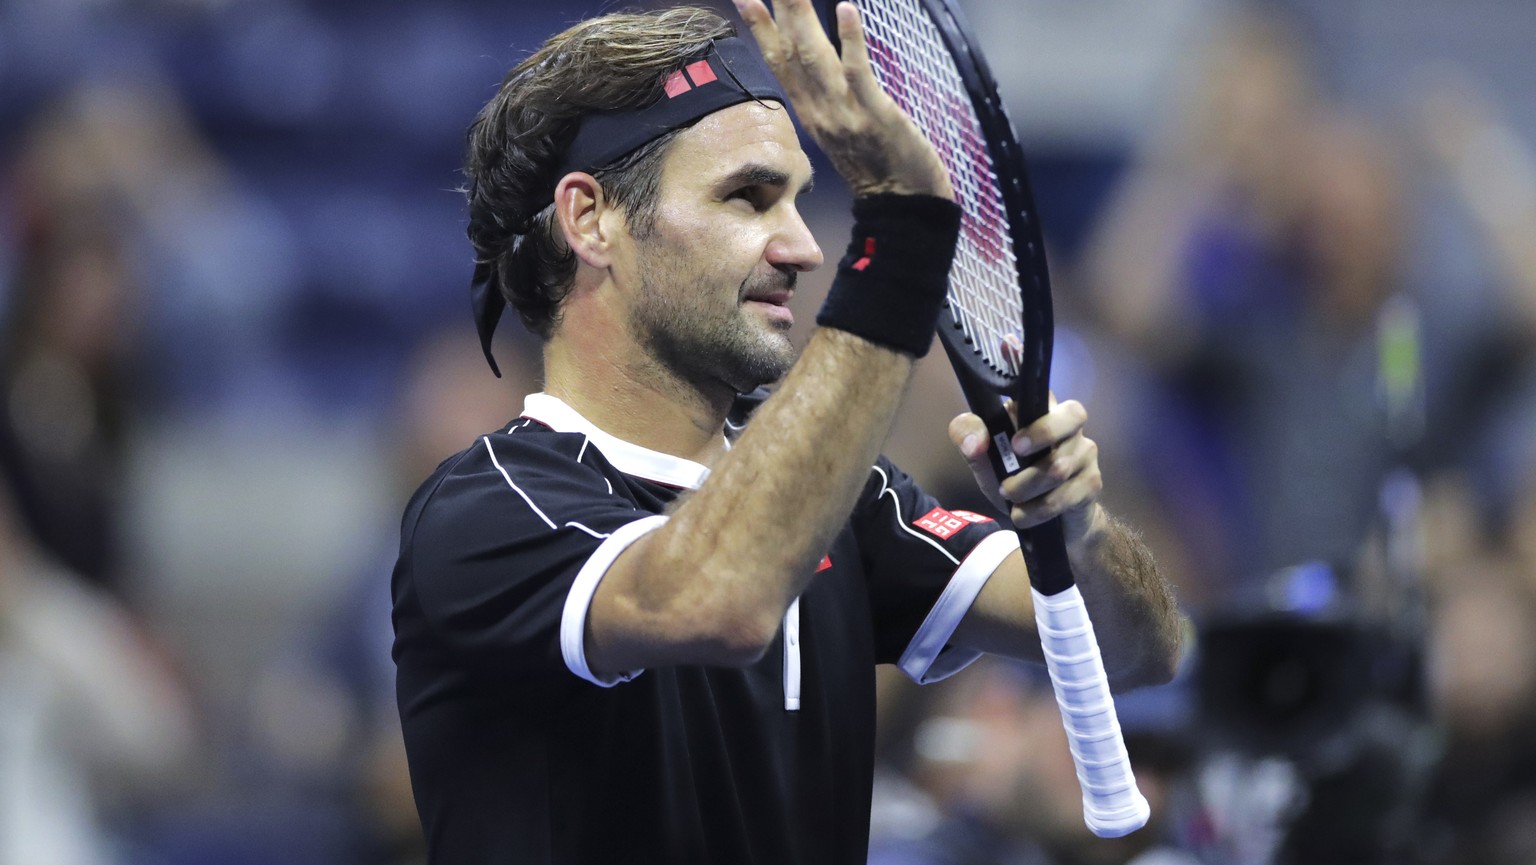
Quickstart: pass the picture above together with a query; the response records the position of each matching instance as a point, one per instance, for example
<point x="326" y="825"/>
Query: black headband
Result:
<point x="728" y="73"/>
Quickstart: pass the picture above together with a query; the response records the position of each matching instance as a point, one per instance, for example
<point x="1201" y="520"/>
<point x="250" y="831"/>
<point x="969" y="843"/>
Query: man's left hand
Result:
<point x="1061" y="476"/>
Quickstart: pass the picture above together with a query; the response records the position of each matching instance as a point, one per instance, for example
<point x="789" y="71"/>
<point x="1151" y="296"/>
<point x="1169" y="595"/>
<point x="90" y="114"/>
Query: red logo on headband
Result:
<point x="696" y="74"/>
<point x="700" y="73"/>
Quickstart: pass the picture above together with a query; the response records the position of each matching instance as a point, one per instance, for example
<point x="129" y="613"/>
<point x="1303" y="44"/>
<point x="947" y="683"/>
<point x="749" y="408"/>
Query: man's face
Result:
<point x="719" y="265"/>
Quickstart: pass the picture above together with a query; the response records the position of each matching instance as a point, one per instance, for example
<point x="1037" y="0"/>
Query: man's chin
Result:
<point x="771" y="363"/>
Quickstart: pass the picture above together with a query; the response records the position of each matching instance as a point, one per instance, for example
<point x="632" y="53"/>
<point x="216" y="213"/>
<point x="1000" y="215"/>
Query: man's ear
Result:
<point x="586" y="218"/>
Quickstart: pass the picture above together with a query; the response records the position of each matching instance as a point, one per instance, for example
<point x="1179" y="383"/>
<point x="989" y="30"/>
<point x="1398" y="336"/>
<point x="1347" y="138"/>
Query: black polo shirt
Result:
<point x="520" y="754"/>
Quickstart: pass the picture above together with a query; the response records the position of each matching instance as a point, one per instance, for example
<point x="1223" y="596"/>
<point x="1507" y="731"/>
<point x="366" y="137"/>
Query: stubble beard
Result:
<point x="706" y="343"/>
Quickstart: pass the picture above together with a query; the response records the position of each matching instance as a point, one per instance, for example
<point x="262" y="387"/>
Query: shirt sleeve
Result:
<point x="925" y="565"/>
<point x="507" y="551"/>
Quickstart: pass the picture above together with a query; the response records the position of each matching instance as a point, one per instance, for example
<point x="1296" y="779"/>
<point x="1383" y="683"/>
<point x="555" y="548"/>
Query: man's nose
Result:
<point x="793" y="246"/>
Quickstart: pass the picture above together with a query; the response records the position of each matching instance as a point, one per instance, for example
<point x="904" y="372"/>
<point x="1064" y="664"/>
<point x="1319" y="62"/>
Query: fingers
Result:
<point x="793" y="44"/>
<point x="850" y="32"/>
<point x="969" y="434"/>
<point x="764" y="31"/>
<point x="1077" y="497"/>
<point x="772" y="42"/>
<point x="1063" y="421"/>
<point x="1066" y="461"/>
<point x="1068" y="480"/>
<point x="1064" y="477"/>
<point x="797" y="20"/>
<point x="874" y="146"/>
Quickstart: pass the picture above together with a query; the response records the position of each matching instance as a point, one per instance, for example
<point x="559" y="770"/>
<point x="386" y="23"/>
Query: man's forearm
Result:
<point x="796" y="471"/>
<point x="1135" y="616"/>
<point x="712" y="584"/>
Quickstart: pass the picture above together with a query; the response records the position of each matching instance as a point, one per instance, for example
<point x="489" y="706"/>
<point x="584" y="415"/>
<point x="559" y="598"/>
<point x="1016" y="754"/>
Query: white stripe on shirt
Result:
<point x="573" y="618"/>
<point x="885" y="487"/>
<point x="515" y="487"/>
<point x="926" y="659"/>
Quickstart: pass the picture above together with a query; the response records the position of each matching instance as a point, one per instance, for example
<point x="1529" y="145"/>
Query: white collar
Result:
<point x="629" y="458"/>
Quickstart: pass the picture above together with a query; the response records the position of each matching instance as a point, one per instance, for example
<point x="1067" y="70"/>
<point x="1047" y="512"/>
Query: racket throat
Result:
<point x="1005" y="453"/>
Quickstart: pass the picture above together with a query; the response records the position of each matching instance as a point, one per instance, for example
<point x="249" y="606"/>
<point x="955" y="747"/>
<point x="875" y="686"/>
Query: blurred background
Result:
<point x="1292" y="243"/>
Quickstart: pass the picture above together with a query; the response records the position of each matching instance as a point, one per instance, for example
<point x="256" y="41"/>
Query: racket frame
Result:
<point x="1112" y="804"/>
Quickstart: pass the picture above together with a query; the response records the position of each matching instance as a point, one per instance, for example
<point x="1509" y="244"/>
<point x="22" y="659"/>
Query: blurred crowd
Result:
<point x="234" y="335"/>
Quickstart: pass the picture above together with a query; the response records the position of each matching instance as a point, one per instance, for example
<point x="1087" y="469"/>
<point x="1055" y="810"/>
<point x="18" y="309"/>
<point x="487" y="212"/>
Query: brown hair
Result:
<point x="612" y="63"/>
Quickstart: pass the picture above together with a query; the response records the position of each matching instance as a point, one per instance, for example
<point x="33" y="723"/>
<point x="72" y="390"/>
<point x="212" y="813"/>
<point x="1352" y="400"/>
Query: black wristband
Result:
<point x="890" y="286"/>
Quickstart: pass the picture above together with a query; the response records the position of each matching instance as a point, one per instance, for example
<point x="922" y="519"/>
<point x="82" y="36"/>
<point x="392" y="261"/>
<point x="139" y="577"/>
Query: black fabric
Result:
<point x="736" y="74"/>
<point x="487" y="303"/>
<point x="891" y="285"/>
<point x="515" y="759"/>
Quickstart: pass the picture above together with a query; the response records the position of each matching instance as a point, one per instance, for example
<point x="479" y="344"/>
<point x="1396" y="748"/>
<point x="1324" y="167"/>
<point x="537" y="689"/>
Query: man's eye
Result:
<point x="751" y="195"/>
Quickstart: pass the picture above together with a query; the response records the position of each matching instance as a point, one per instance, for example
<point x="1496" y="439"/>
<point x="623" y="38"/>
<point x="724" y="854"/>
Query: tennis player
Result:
<point x="630" y="629"/>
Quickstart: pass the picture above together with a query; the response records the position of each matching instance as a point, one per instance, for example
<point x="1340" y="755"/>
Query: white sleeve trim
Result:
<point x="573" y="619"/>
<point x="926" y="658"/>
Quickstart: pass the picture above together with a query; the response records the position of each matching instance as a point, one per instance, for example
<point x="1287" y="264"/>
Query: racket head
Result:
<point x="997" y="323"/>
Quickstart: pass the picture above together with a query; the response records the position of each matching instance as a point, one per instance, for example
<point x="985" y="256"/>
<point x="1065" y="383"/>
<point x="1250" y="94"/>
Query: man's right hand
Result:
<point x="872" y="143"/>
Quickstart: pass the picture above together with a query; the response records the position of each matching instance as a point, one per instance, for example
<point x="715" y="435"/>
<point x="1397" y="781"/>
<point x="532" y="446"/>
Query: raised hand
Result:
<point x="872" y="143"/>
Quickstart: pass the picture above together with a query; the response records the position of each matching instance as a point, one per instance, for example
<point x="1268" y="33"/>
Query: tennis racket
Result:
<point x="997" y="329"/>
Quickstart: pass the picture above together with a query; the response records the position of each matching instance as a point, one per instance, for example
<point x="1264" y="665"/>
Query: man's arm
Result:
<point x="1135" y="616"/>
<point x="711" y="585"/>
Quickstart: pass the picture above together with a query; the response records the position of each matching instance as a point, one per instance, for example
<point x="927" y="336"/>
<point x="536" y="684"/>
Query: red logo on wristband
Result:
<point x="869" y="252"/>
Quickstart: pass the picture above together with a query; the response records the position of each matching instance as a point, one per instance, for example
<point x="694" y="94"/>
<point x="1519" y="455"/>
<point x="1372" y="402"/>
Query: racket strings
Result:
<point x="913" y="64"/>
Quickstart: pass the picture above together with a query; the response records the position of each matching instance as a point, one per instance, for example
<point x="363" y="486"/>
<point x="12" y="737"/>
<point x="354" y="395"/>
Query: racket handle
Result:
<point x="1112" y="804"/>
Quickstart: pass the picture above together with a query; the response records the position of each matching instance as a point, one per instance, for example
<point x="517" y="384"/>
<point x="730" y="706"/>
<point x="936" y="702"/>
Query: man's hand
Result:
<point x="875" y="147"/>
<point x="1061" y="476"/>
<point x="1134" y="612"/>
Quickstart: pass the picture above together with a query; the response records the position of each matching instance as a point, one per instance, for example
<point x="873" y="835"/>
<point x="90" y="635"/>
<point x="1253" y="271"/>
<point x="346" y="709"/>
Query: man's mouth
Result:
<point x="777" y="297"/>
<point x="772" y="304"/>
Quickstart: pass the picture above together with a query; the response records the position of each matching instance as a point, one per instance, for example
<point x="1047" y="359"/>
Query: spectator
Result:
<point x="1280" y="316"/>
<point x="94" y="726"/>
<point x="991" y="762"/>
<point x="66" y="351"/>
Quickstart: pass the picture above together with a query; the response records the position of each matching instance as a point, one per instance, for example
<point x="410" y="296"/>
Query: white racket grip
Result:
<point x="1112" y="804"/>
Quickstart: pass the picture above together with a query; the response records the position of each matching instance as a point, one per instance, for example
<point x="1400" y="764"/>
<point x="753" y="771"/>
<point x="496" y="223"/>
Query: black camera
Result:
<point x="1338" y="701"/>
<point x="1286" y="684"/>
